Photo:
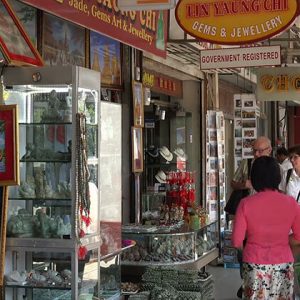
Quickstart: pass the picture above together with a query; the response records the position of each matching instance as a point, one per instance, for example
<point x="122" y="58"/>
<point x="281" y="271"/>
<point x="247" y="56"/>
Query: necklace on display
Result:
<point x="82" y="201"/>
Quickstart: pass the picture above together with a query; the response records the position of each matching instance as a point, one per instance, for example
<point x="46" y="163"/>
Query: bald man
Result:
<point x="261" y="147"/>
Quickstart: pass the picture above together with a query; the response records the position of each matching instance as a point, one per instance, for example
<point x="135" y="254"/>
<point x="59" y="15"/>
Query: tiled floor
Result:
<point x="227" y="282"/>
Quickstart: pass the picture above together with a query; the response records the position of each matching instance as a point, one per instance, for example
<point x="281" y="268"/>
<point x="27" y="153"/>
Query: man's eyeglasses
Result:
<point x="294" y="157"/>
<point x="260" y="151"/>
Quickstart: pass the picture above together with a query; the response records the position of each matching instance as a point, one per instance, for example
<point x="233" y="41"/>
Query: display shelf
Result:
<point x="33" y="243"/>
<point x="200" y="261"/>
<point x="159" y="263"/>
<point x="46" y="124"/>
<point x="26" y="286"/>
<point x="179" y="246"/>
<point x="176" y="229"/>
<point x="61" y="161"/>
<point x="207" y="258"/>
<point x="55" y="113"/>
<point x="46" y="201"/>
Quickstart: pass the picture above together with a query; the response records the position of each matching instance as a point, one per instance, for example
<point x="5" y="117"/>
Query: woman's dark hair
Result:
<point x="265" y="173"/>
<point x="282" y="151"/>
<point x="294" y="150"/>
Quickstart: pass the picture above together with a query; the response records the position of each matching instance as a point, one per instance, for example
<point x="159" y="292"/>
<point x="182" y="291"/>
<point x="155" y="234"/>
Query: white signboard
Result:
<point x="278" y="84"/>
<point x="146" y="4"/>
<point x="240" y="57"/>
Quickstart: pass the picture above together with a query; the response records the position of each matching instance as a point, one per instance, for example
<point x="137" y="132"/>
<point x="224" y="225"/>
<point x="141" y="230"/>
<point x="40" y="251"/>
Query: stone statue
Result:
<point x="42" y="224"/>
<point x="20" y="225"/>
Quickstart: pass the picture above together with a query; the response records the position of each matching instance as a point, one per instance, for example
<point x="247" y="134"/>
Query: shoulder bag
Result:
<point x="236" y="196"/>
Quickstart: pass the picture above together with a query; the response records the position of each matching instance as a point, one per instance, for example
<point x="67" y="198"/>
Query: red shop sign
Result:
<point x="145" y="30"/>
<point x="162" y="84"/>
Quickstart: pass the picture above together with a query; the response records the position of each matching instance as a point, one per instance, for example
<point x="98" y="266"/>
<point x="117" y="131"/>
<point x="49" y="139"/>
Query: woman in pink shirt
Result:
<point x="266" y="219"/>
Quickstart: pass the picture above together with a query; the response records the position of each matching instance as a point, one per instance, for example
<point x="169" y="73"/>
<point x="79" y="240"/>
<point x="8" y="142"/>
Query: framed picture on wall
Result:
<point x="63" y="42"/>
<point x="15" y="44"/>
<point x="28" y="16"/>
<point x="105" y="57"/>
<point x="249" y="133"/>
<point x="137" y="149"/>
<point x="138" y="104"/>
<point x="9" y="153"/>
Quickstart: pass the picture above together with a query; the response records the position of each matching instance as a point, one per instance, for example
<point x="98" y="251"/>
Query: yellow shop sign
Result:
<point x="278" y="84"/>
<point x="235" y="22"/>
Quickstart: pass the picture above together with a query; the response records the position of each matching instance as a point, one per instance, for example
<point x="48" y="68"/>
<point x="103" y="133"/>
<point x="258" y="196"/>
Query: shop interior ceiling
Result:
<point x="186" y="49"/>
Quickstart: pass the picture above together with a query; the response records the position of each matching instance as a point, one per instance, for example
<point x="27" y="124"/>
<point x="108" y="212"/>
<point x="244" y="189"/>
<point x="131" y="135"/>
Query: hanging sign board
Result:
<point x="278" y="84"/>
<point x="146" y="4"/>
<point x="163" y="84"/>
<point x="145" y="30"/>
<point x="240" y="57"/>
<point x="234" y="22"/>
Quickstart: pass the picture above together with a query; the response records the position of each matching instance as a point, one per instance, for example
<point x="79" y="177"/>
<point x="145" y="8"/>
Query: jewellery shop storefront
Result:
<point x="70" y="130"/>
<point x="173" y="227"/>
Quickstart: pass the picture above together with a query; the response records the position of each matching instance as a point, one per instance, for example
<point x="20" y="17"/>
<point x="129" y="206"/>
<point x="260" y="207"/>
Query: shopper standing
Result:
<point x="290" y="185"/>
<point x="266" y="219"/>
<point x="290" y="182"/>
<point x="261" y="147"/>
<point x="282" y="156"/>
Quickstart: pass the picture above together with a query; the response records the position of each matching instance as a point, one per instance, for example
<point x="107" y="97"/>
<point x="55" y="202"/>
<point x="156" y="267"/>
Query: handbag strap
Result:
<point x="288" y="175"/>
<point x="249" y="164"/>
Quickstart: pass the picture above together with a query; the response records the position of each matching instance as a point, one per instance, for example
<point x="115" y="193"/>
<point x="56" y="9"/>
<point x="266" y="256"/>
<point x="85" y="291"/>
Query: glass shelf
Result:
<point x="163" y="230"/>
<point x="27" y="286"/>
<point x="45" y="123"/>
<point x="62" y="161"/>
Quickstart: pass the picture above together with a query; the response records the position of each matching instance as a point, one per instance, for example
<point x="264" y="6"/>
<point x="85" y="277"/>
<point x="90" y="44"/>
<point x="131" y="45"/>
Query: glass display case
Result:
<point x="48" y="275"/>
<point x="54" y="214"/>
<point x="170" y="245"/>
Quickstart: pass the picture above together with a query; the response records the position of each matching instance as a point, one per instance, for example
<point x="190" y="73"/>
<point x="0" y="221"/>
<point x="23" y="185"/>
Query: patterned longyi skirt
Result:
<point x="268" y="282"/>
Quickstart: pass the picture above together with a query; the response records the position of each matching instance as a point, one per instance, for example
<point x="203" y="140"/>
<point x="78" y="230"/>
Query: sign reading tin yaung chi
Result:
<point x="145" y="30"/>
<point x="235" y="22"/>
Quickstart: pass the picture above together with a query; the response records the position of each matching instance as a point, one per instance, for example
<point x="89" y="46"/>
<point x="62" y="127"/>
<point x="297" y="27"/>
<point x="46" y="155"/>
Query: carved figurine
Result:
<point x="29" y="149"/>
<point x="39" y="175"/>
<point x="52" y="113"/>
<point x="42" y="224"/>
<point x="68" y="109"/>
<point x="20" y="225"/>
<point x="27" y="189"/>
<point x="61" y="229"/>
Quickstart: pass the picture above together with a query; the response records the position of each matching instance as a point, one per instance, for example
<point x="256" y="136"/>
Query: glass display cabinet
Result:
<point x="177" y="246"/>
<point x="53" y="252"/>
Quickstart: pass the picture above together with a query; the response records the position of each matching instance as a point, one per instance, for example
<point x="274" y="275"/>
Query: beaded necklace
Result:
<point x="82" y="201"/>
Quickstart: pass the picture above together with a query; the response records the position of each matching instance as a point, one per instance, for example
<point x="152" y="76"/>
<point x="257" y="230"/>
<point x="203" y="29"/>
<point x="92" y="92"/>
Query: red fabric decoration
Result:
<point x="50" y="133"/>
<point x="60" y="134"/>
<point x="82" y="251"/>
<point x="86" y="220"/>
<point x="81" y="233"/>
